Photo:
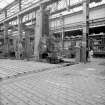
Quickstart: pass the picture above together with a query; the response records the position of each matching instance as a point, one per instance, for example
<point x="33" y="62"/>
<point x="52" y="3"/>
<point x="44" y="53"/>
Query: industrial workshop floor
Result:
<point x="80" y="84"/>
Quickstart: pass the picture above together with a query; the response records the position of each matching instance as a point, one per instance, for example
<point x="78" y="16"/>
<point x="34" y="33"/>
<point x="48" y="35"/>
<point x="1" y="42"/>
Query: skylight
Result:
<point x="4" y="3"/>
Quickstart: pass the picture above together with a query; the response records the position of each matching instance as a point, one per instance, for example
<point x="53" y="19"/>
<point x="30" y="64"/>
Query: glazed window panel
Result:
<point x="25" y="18"/>
<point x="27" y="3"/>
<point x="57" y="6"/>
<point x="34" y="14"/>
<point x="61" y="4"/>
<point x="73" y="2"/>
<point x="12" y="10"/>
<point x="58" y="23"/>
<point x="52" y="24"/>
<point x="2" y="16"/>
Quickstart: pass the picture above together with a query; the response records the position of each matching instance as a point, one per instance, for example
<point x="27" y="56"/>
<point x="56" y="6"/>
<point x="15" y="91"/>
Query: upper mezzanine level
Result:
<point x="21" y="6"/>
<point x="73" y="19"/>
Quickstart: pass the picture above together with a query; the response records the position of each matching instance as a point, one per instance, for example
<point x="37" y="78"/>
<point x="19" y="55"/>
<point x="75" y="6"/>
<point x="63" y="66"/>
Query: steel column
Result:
<point x="62" y="33"/>
<point x="5" y="35"/>
<point x="85" y="30"/>
<point x="27" y="42"/>
<point x="19" y="19"/>
<point x="38" y="30"/>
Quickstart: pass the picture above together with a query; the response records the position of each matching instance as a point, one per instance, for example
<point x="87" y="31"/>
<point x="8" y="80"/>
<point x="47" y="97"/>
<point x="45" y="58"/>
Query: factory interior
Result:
<point x="52" y="52"/>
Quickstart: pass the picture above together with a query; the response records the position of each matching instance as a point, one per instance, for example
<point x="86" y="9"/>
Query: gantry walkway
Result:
<point x="80" y="84"/>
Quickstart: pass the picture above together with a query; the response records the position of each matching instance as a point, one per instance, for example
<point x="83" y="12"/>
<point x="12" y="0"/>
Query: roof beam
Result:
<point x="8" y="6"/>
<point x="27" y="10"/>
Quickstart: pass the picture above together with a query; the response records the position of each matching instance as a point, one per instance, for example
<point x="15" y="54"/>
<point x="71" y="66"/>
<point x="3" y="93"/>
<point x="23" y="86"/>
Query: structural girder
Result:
<point x="29" y="9"/>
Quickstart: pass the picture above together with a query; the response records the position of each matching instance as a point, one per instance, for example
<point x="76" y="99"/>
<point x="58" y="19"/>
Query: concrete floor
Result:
<point x="10" y="68"/>
<point x="80" y="84"/>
